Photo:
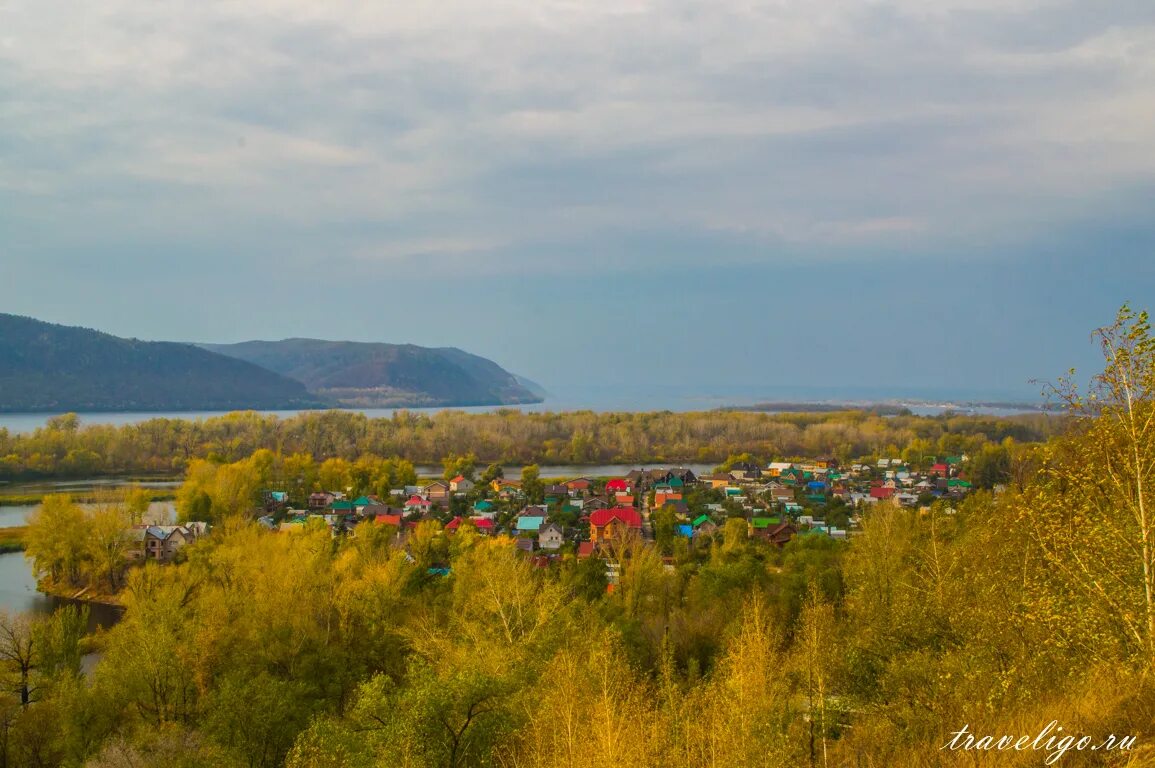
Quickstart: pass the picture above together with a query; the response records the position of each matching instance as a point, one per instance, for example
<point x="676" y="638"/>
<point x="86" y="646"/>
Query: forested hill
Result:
<point x="368" y="375"/>
<point x="46" y="367"/>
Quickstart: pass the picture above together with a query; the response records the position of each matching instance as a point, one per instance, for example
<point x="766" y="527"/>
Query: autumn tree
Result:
<point x="56" y="540"/>
<point x="1093" y="513"/>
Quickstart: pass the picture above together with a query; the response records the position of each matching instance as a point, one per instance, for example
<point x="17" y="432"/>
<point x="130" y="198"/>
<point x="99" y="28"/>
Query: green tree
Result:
<point x="531" y="484"/>
<point x="455" y="465"/>
<point x="665" y="521"/>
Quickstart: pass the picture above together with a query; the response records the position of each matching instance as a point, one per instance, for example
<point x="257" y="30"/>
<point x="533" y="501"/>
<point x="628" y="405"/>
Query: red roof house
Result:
<point x="605" y="524"/>
<point x="482" y="524"/>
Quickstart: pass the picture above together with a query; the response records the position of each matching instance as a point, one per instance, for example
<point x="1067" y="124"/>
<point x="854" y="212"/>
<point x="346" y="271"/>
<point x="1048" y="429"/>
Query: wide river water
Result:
<point x="650" y="398"/>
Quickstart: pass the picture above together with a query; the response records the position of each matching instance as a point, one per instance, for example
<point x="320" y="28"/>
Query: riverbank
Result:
<point x="87" y="595"/>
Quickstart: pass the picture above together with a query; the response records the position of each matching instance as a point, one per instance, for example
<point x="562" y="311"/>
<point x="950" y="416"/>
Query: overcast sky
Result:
<point x="883" y="193"/>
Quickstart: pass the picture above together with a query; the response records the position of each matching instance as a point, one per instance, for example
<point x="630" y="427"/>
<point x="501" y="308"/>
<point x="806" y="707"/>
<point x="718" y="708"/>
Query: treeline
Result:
<point x="65" y="448"/>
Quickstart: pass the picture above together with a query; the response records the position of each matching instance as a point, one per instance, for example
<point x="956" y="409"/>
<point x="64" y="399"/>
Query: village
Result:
<point x="585" y="516"/>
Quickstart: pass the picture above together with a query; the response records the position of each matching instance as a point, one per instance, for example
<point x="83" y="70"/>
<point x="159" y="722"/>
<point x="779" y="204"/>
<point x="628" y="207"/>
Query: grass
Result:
<point x="85" y="497"/>
<point x="12" y="539"/>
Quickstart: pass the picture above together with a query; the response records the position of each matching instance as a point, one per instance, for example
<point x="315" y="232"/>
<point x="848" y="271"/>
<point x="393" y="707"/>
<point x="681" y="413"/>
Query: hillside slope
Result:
<point x="46" y="367"/>
<point x="369" y="375"/>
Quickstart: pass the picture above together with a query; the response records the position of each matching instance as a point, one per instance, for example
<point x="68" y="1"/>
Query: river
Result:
<point x="647" y="397"/>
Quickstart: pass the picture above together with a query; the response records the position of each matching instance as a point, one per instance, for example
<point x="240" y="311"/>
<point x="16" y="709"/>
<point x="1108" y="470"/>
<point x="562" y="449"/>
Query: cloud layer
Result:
<point x="518" y="129"/>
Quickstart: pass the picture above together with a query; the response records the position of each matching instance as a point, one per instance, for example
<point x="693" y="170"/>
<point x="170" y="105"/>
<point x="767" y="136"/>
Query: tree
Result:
<point x="258" y="716"/>
<point x="459" y="465"/>
<point x="107" y="541"/>
<point x="335" y="475"/>
<point x="493" y="472"/>
<point x="665" y="522"/>
<point x="428" y="545"/>
<point x="585" y="578"/>
<point x="735" y="535"/>
<point x="19" y="653"/>
<point x="991" y="465"/>
<point x="814" y="648"/>
<point x="1094" y="512"/>
<point x="137" y="500"/>
<point x="531" y="484"/>
<point x="56" y="540"/>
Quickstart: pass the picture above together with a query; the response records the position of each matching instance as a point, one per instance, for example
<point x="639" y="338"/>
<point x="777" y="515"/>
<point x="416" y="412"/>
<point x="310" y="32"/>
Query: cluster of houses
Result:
<point x="777" y="501"/>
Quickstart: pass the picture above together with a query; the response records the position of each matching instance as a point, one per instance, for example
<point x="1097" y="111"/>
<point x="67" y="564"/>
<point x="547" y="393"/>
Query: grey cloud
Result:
<point x="482" y="130"/>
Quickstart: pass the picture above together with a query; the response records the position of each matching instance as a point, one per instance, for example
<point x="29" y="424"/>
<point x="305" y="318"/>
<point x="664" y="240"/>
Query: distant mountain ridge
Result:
<point x="379" y="375"/>
<point x="47" y="367"/>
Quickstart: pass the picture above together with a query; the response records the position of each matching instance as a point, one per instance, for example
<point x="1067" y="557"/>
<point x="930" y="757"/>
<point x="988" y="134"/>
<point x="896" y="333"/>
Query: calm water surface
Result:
<point x="646" y="397"/>
<point x="18" y="594"/>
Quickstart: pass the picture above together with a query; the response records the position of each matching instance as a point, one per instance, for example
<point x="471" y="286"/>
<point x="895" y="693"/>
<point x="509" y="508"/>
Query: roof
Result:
<point x="341" y="506"/>
<point x="700" y="519"/>
<point x="483" y="505"/>
<point x="627" y="515"/>
<point x="480" y="523"/>
<point x="762" y="522"/>
<point x="617" y="484"/>
<point x="585" y="549"/>
<point x="362" y="501"/>
<point x="530" y="522"/>
<point x="393" y="520"/>
<point x="685" y="530"/>
<point x="457" y="479"/>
